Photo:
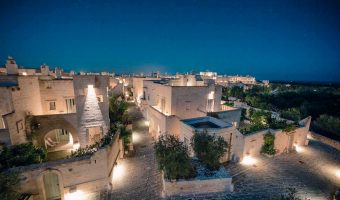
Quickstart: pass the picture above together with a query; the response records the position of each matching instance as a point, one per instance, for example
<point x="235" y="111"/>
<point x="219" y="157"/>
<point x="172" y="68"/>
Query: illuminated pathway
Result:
<point x="138" y="176"/>
<point x="312" y="172"/>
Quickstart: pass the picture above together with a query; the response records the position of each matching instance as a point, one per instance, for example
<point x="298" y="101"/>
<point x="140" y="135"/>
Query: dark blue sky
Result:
<point x="273" y="39"/>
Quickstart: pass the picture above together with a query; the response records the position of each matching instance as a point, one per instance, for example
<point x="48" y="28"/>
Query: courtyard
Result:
<point x="312" y="171"/>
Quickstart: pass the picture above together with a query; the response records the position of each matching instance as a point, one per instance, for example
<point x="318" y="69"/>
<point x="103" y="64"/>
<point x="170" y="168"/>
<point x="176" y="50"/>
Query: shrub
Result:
<point x="21" y="155"/>
<point x="172" y="156"/>
<point x="209" y="149"/>
<point x="268" y="146"/>
<point x="8" y="184"/>
<point x="125" y="134"/>
<point x="291" y="114"/>
<point x="328" y="124"/>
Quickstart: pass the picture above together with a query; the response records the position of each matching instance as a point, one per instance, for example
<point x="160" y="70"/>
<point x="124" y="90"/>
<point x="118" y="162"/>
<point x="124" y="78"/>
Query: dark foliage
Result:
<point x="268" y="146"/>
<point x="21" y="155"/>
<point x="173" y="158"/>
<point x="209" y="149"/>
<point x="8" y="184"/>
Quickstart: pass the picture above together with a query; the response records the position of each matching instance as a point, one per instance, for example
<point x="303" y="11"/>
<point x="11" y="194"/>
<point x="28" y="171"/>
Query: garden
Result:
<point x="182" y="171"/>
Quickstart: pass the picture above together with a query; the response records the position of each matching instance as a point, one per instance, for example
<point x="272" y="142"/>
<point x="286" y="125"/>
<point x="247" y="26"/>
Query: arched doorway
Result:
<point x="60" y="143"/>
<point x="59" y="139"/>
<point x="51" y="186"/>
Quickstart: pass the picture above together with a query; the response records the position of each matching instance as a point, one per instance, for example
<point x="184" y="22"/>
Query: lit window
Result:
<point x="52" y="105"/>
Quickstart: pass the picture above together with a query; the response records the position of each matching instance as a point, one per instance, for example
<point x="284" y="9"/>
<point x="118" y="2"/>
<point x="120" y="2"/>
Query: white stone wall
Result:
<point x="88" y="174"/>
<point x="91" y="112"/>
<point x="154" y="93"/>
<point x="25" y="99"/>
<point x="138" y="84"/>
<point x="191" y="102"/>
<point x="55" y="91"/>
<point x="197" y="186"/>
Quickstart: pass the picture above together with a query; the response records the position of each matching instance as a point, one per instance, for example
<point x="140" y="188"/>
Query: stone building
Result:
<point x="187" y="104"/>
<point x="70" y="112"/>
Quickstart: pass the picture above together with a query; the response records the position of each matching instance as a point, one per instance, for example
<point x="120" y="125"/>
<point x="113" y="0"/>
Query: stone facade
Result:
<point x="92" y="103"/>
<point x="76" y="177"/>
<point x="197" y="186"/>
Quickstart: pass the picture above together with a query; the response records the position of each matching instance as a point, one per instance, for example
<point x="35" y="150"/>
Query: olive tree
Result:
<point x="173" y="157"/>
<point x="209" y="148"/>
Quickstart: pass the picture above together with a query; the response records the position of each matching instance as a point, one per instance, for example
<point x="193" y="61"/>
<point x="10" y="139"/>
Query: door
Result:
<point x="162" y="104"/>
<point x="51" y="185"/>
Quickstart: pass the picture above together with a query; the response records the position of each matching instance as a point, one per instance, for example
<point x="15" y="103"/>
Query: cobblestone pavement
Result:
<point x="139" y="177"/>
<point x="311" y="172"/>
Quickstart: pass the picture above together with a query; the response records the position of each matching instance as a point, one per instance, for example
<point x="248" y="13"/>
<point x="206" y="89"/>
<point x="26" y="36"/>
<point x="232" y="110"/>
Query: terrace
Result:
<point x="206" y="123"/>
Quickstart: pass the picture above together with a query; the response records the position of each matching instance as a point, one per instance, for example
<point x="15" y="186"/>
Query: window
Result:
<point x="52" y="105"/>
<point x="70" y="105"/>
<point x="20" y="126"/>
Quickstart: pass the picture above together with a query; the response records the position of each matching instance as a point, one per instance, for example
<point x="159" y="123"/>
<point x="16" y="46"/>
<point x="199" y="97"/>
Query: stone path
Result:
<point x="139" y="176"/>
<point x="311" y="172"/>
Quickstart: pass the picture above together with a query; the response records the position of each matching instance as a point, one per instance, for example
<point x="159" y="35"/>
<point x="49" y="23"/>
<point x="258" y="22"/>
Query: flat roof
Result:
<point x="206" y="123"/>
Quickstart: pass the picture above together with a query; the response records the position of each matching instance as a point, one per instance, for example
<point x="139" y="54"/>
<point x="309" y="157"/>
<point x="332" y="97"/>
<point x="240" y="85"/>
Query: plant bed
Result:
<point x="205" y="181"/>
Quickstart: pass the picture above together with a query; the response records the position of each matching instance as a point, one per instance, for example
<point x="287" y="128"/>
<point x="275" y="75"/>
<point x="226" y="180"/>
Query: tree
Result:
<point x="117" y="110"/>
<point x="173" y="157"/>
<point x="328" y="124"/>
<point x="209" y="148"/>
<point x="21" y="155"/>
<point x="268" y="146"/>
<point x="291" y="114"/>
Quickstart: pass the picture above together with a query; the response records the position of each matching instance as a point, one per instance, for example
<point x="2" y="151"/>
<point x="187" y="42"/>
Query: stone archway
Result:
<point x="48" y="123"/>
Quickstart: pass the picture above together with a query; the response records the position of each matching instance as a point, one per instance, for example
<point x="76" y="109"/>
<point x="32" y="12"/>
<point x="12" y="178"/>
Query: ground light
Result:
<point x="77" y="195"/>
<point x="118" y="172"/>
<point x="248" y="160"/>
<point x="337" y="173"/>
<point x="299" y="149"/>
<point x="146" y="123"/>
<point x="135" y="137"/>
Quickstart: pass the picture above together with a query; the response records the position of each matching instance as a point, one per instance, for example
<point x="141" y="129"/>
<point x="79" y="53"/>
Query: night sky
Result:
<point x="274" y="39"/>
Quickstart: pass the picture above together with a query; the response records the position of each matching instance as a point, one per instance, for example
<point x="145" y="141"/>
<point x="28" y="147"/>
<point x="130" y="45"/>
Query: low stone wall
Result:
<point x="197" y="186"/>
<point x="333" y="143"/>
<point x="77" y="176"/>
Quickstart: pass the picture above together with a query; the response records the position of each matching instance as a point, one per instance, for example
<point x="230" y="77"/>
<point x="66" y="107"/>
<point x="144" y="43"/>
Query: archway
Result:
<point x="59" y="140"/>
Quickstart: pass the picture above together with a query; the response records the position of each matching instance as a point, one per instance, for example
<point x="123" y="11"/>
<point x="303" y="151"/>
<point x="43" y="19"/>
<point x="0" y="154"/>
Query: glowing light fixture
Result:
<point x="248" y="160"/>
<point x="118" y="172"/>
<point x="211" y="95"/>
<point x="76" y="146"/>
<point x="337" y="173"/>
<point x="135" y="137"/>
<point x="24" y="73"/>
<point x="78" y="195"/>
<point x="147" y="123"/>
<point x="299" y="149"/>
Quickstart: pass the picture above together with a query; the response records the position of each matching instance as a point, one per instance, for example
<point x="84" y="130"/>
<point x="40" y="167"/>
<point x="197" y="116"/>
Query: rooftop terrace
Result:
<point x="206" y="123"/>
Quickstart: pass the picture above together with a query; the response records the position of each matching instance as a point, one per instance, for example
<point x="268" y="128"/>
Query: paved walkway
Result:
<point x="138" y="177"/>
<point x="312" y="172"/>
